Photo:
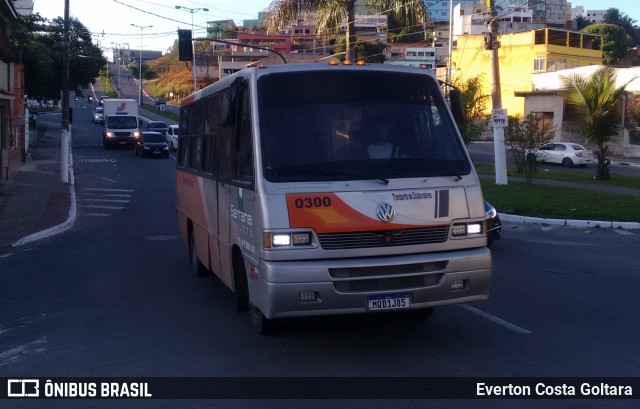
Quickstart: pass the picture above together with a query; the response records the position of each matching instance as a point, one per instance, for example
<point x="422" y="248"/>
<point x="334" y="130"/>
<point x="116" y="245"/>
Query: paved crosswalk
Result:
<point x="103" y="202"/>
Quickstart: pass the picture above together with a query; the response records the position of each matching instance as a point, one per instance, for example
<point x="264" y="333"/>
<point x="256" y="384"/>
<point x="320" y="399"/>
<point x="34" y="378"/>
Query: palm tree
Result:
<point x="597" y="103"/>
<point x="331" y="14"/>
<point x="581" y="22"/>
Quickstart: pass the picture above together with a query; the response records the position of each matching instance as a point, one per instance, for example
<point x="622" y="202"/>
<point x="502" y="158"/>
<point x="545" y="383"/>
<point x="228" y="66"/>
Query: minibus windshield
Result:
<point x="353" y="125"/>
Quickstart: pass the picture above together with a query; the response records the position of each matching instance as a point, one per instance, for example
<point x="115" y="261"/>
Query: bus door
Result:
<point x="225" y="147"/>
<point x="236" y="191"/>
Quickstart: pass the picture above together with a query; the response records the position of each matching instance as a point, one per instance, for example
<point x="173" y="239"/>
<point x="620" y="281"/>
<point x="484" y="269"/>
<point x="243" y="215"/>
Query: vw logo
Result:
<point x="385" y="212"/>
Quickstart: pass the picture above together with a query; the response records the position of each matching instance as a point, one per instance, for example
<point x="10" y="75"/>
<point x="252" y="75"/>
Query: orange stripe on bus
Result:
<point x="314" y="211"/>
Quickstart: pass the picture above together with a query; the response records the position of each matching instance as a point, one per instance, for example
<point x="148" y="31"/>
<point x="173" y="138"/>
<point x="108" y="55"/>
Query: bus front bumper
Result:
<point x="351" y="286"/>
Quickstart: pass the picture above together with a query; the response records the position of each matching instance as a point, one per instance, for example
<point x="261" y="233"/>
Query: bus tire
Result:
<point x="263" y="325"/>
<point x="241" y="284"/>
<point x="196" y="266"/>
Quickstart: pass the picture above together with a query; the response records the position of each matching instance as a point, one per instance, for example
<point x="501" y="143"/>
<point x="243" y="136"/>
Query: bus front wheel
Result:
<point x="264" y="325"/>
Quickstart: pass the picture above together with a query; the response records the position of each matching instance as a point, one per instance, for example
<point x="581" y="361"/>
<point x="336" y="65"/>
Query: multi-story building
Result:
<point x="439" y="9"/>
<point x="521" y="55"/>
<point x="12" y="112"/>
<point x="594" y="16"/>
<point x="411" y="55"/>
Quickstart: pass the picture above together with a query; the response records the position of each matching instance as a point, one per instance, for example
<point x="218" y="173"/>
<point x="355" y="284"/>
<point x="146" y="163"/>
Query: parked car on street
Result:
<point x="98" y="115"/>
<point x="152" y="144"/>
<point x="494" y="225"/>
<point x="157" y="126"/>
<point x="568" y="154"/>
<point x="172" y="137"/>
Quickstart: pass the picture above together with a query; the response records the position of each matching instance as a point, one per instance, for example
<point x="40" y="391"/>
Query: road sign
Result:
<point x="499" y="117"/>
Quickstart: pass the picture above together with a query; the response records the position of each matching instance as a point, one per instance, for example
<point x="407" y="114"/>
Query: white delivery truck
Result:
<point x="120" y="122"/>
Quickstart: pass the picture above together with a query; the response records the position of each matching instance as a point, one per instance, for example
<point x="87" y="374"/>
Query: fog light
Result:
<point x="307" y="296"/>
<point x="459" y="229"/>
<point x="301" y="239"/>
<point x="458" y="285"/>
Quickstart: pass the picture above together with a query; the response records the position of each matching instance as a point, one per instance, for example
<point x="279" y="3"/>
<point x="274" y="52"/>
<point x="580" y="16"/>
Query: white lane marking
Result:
<point x="15" y="354"/>
<point x="106" y="200"/>
<point x="108" y="180"/>
<point x="107" y="194"/>
<point x="95" y="189"/>
<point x="103" y="207"/>
<point x="495" y="319"/>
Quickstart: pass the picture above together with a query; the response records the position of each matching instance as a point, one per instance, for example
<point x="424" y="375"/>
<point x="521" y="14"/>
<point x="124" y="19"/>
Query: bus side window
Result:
<point x="225" y="138"/>
<point x="211" y="133"/>
<point x="243" y="156"/>
<point x="183" y="149"/>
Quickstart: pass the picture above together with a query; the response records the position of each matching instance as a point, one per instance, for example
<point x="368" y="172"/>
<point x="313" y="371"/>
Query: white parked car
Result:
<point x="172" y="137"/>
<point x="98" y="115"/>
<point x="568" y="154"/>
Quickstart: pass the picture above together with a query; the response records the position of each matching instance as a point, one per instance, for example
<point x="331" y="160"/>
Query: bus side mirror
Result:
<point x="457" y="106"/>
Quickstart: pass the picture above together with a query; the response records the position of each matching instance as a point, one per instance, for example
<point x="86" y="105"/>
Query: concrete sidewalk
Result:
<point x="36" y="199"/>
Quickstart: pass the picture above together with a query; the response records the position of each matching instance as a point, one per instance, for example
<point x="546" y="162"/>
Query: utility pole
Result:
<point x="498" y="115"/>
<point x="65" y="139"/>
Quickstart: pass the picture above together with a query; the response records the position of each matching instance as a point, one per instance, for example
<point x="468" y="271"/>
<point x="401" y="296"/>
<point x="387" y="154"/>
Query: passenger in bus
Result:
<point x="381" y="146"/>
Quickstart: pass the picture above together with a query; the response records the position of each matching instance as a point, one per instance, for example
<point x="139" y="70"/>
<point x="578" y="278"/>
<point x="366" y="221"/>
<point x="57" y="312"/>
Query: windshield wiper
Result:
<point x="356" y="175"/>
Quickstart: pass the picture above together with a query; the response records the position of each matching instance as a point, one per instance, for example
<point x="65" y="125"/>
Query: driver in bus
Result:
<point x="381" y="146"/>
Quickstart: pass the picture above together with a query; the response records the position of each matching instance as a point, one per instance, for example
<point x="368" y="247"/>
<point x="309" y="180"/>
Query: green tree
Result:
<point x="40" y="45"/>
<point x="331" y="14"/>
<point x="614" y="42"/>
<point x="596" y="100"/>
<point x="371" y="52"/>
<point x="581" y="22"/>
<point x="399" y="32"/>
<point x="523" y="136"/>
<point x="614" y="16"/>
<point x="475" y="104"/>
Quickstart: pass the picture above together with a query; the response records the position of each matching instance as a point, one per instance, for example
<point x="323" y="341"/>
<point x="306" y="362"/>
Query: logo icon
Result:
<point x="23" y="388"/>
<point x="385" y="212"/>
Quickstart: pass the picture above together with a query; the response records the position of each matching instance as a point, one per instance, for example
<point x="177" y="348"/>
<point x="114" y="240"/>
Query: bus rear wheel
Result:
<point x="196" y="266"/>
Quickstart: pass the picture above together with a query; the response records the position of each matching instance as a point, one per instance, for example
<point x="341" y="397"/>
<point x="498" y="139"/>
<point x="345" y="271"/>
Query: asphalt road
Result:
<point x="115" y="296"/>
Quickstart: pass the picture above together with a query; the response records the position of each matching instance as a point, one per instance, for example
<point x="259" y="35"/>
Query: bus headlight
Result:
<point x="285" y="239"/>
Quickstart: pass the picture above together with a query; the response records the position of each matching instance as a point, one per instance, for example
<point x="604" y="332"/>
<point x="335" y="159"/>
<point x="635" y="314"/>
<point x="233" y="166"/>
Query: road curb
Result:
<point x="67" y="224"/>
<point x="584" y="224"/>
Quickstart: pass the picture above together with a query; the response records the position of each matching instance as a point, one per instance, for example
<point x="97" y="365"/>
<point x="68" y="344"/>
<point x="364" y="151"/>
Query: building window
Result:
<point x="562" y="64"/>
<point x="538" y="64"/>
<point x="551" y="64"/>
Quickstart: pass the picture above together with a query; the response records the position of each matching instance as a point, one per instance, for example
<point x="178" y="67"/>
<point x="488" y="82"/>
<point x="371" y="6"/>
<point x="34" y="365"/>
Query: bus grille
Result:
<point x="384" y="238"/>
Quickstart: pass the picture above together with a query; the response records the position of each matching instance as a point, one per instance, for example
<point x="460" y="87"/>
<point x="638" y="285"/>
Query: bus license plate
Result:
<point x="389" y="302"/>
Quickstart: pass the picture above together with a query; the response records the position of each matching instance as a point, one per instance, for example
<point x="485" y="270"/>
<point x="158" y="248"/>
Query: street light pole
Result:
<point x="117" y="60"/>
<point x="140" y="65"/>
<point x="193" y="44"/>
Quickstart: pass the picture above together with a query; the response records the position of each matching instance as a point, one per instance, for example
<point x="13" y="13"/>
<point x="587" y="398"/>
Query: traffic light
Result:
<point x="185" y="51"/>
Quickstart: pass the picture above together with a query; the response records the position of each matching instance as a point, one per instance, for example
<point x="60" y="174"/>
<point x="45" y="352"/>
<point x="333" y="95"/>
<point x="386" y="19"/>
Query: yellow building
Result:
<point x="521" y="55"/>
